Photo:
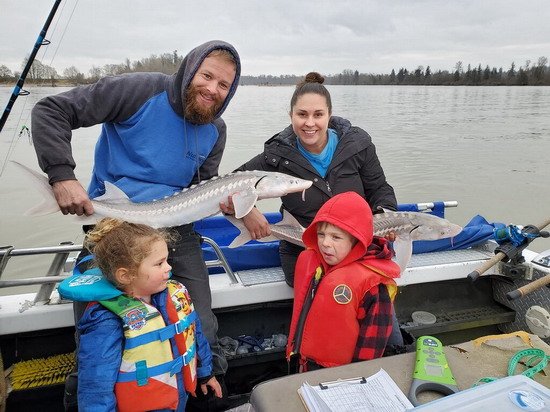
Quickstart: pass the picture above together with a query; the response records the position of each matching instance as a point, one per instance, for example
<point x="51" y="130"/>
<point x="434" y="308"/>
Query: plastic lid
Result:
<point x="423" y="318"/>
<point x="538" y="320"/>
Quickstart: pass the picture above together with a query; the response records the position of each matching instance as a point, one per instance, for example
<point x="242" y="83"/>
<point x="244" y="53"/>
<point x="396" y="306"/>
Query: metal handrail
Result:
<point x="431" y="205"/>
<point x="222" y="261"/>
<point x="53" y="275"/>
<point x="61" y="254"/>
<point x="63" y="247"/>
<point x="32" y="281"/>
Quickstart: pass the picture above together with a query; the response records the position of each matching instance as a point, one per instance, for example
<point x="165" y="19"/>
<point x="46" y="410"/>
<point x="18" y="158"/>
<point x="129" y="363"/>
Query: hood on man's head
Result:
<point x="191" y="64"/>
<point x="349" y="212"/>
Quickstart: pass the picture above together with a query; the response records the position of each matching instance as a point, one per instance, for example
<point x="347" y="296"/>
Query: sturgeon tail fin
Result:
<point x="40" y="183"/>
<point x="289" y="220"/>
<point x="243" y="236"/>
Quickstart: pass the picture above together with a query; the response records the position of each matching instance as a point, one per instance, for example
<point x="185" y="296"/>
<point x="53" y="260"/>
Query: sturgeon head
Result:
<point x="430" y="227"/>
<point x="414" y="225"/>
<point x="275" y="184"/>
<point x="266" y="185"/>
<point x="409" y="226"/>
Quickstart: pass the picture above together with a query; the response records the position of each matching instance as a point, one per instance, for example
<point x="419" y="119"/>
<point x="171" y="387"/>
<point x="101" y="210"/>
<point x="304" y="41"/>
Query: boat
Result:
<point x="436" y="297"/>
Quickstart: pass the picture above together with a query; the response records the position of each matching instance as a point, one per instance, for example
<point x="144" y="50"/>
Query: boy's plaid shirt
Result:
<point x="375" y="324"/>
<point x="375" y="312"/>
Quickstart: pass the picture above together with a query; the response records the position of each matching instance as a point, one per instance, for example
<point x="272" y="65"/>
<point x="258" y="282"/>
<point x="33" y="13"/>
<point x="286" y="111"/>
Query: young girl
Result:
<point x="141" y="345"/>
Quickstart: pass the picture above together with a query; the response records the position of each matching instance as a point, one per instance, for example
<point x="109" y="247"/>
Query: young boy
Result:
<point x="344" y="288"/>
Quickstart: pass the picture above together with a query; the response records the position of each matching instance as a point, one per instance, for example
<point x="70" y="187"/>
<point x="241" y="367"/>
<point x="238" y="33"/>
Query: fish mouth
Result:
<point x="302" y="185"/>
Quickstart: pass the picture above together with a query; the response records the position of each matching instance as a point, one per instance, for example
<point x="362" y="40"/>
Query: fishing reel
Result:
<point x="512" y="239"/>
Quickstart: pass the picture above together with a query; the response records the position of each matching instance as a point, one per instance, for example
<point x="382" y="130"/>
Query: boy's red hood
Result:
<point x="349" y="212"/>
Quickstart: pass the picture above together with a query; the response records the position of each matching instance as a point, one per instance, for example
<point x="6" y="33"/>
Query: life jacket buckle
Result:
<point x="182" y="360"/>
<point x="180" y="326"/>
<point x="141" y="373"/>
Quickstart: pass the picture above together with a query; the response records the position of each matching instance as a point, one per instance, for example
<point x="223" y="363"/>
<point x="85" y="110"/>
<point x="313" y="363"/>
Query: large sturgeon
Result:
<point x="190" y="205"/>
<point x="407" y="226"/>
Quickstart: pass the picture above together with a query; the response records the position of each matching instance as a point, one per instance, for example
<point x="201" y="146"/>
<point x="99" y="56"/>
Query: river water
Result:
<point x="486" y="147"/>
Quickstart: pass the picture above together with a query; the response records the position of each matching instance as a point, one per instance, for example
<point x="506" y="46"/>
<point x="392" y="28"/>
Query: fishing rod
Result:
<point x="18" y="89"/>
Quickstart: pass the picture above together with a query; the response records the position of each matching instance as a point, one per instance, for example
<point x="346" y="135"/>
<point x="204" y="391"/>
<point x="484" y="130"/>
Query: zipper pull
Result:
<point x="316" y="279"/>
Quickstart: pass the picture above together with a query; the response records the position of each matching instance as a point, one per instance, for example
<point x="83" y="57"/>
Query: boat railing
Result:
<point x="221" y="261"/>
<point x="432" y="205"/>
<point x="434" y="208"/>
<point x="61" y="266"/>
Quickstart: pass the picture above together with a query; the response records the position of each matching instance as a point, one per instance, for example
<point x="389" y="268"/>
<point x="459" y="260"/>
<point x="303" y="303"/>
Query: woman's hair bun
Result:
<point x="314" y="77"/>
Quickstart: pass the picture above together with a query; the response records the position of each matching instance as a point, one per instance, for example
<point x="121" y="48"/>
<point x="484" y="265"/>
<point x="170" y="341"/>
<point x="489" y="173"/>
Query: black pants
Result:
<point x="289" y="255"/>
<point x="188" y="268"/>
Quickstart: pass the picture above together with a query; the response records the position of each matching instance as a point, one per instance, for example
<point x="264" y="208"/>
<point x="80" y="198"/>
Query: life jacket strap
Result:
<point x="162" y="334"/>
<point x="143" y="373"/>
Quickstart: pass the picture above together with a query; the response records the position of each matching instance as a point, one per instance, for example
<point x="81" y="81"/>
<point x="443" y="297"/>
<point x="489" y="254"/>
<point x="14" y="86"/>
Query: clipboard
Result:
<point x="376" y="393"/>
<point x="327" y="385"/>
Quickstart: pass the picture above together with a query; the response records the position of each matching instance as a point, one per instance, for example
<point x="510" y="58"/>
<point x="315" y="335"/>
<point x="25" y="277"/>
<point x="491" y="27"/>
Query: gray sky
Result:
<point x="286" y="36"/>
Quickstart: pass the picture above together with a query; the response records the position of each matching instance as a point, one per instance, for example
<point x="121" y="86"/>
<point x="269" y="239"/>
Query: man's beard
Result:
<point x="196" y="113"/>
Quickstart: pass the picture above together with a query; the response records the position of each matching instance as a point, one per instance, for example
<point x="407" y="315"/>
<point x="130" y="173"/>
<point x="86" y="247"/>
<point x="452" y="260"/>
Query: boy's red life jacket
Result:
<point x="330" y="331"/>
<point x="147" y="376"/>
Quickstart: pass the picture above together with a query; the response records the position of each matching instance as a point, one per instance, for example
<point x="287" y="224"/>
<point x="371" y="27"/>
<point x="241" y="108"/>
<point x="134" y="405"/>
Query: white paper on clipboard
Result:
<point x="377" y="393"/>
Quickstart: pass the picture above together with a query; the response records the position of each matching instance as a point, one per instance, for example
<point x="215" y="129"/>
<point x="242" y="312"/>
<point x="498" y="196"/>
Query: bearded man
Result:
<point x="159" y="134"/>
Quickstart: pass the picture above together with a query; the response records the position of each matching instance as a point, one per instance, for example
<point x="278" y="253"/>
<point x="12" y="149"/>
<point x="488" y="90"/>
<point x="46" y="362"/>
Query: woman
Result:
<point x="337" y="156"/>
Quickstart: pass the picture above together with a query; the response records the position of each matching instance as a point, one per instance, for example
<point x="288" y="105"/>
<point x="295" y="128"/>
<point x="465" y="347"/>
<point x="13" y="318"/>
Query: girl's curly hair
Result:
<point x="116" y="243"/>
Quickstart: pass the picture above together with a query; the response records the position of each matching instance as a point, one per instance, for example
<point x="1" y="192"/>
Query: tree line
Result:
<point x="530" y="74"/>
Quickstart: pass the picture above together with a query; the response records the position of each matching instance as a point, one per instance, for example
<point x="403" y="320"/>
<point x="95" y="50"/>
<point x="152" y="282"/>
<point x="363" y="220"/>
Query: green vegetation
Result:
<point x="530" y="74"/>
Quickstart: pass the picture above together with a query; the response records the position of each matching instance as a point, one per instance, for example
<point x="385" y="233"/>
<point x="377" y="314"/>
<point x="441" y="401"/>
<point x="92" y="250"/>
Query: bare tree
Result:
<point x="73" y="75"/>
<point x="539" y="69"/>
<point x="95" y="73"/>
<point x="114" y="69"/>
<point x="5" y="72"/>
<point x="459" y="67"/>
